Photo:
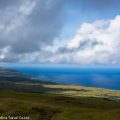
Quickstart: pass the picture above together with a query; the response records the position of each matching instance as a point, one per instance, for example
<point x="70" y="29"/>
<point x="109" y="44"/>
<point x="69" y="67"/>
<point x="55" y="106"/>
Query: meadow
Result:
<point x="44" y="106"/>
<point x="22" y="98"/>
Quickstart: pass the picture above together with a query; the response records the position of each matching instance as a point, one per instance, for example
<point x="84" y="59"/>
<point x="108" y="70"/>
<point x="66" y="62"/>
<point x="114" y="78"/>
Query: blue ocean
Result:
<point x="94" y="76"/>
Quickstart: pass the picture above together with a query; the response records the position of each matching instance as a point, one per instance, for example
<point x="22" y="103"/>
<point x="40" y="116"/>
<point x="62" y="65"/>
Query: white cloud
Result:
<point x="4" y="52"/>
<point x="30" y="35"/>
<point x="17" y="17"/>
<point x="12" y="19"/>
<point x="94" y="43"/>
<point x="27" y="26"/>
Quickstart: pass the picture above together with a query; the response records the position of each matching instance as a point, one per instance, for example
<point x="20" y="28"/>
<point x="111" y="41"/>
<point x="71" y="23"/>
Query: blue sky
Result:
<point x="81" y="11"/>
<point x="60" y="32"/>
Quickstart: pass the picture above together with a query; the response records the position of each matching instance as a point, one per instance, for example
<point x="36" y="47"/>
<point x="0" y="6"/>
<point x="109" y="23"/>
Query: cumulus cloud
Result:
<point x="93" y="43"/>
<point x="30" y="32"/>
<point x="16" y="17"/>
<point x="27" y="26"/>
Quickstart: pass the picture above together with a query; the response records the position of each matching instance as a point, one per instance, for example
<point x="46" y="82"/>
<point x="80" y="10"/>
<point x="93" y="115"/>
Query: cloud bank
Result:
<point x="26" y="26"/>
<point x="93" y="43"/>
<point x="31" y="31"/>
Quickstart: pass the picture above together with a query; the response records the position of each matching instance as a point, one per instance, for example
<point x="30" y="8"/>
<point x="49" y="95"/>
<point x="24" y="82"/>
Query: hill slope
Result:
<point x="20" y="96"/>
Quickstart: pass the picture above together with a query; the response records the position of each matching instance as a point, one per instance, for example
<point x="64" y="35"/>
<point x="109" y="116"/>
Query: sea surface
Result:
<point x="94" y="76"/>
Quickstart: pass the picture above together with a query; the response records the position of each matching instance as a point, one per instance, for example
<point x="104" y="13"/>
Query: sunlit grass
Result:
<point x="76" y="90"/>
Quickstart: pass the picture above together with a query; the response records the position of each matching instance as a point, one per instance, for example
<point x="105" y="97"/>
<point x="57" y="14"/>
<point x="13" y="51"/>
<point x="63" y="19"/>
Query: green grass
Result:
<point x="56" y="107"/>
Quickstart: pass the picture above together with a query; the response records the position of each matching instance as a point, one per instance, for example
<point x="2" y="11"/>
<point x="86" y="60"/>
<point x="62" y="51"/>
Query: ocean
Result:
<point x="93" y="76"/>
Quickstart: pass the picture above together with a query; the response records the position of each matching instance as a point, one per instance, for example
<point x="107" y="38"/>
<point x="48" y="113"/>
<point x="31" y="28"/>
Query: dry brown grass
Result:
<point x="76" y="90"/>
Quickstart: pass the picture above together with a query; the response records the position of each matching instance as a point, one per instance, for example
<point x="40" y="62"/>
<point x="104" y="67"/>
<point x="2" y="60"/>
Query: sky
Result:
<point x="60" y="32"/>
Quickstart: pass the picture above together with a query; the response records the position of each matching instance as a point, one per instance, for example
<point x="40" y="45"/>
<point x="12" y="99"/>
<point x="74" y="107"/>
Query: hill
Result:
<point x="24" y="98"/>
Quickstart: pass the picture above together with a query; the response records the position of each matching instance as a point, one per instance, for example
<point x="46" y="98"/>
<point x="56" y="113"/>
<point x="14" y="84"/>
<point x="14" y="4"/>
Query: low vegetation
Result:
<point x="77" y="90"/>
<point x="38" y="100"/>
<point x="38" y="106"/>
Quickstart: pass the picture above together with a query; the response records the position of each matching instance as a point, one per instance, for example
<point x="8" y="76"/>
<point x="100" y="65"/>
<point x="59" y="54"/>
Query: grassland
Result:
<point x="38" y="100"/>
<point x="41" y="101"/>
<point x="45" y="106"/>
<point x="77" y="90"/>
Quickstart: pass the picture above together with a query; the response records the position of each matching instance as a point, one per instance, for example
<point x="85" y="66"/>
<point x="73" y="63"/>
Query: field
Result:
<point x="43" y="106"/>
<point x="77" y="90"/>
<point x="22" y="98"/>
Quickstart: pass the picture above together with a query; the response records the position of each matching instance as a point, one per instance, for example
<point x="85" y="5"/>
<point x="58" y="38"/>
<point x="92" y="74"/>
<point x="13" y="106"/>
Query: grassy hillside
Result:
<point x="57" y="107"/>
<point x="21" y="96"/>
